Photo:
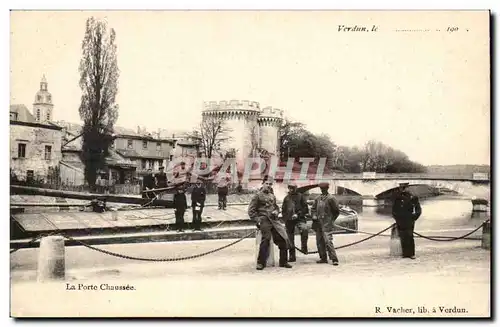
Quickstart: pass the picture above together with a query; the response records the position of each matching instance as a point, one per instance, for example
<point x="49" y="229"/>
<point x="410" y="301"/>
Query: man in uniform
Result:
<point x="406" y="210"/>
<point x="264" y="211"/>
<point x="148" y="183"/>
<point x="325" y="211"/>
<point x="198" y="196"/>
<point x="161" y="178"/>
<point x="294" y="210"/>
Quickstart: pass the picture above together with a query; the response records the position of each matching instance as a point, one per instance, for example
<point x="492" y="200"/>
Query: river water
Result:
<point x="441" y="212"/>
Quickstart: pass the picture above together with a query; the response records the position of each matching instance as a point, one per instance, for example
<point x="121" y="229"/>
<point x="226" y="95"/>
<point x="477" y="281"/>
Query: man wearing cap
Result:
<point x="325" y="211"/>
<point x="406" y="210"/>
<point x="263" y="210"/>
<point x="198" y="196"/>
<point x="294" y="210"/>
<point x="148" y="183"/>
<point x="161" y="178"/>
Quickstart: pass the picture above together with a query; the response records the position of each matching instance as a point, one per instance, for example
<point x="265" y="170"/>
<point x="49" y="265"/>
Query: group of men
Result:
<point x="264" y="211"/>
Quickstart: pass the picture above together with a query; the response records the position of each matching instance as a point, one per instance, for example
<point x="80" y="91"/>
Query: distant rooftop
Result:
<point x="21" y="113"/>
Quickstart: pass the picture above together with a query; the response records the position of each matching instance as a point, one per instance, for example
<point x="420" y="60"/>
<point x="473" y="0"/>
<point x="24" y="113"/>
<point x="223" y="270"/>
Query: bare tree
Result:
<point x="213" y="135"/>
<point x="99" y="84"/>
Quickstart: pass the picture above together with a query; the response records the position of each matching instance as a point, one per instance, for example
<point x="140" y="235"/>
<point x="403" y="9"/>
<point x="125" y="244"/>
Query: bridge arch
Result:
<point x="376" y="187"/>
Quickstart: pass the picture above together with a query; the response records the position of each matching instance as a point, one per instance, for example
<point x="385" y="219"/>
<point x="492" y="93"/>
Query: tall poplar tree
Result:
<point x="99" y="85"/>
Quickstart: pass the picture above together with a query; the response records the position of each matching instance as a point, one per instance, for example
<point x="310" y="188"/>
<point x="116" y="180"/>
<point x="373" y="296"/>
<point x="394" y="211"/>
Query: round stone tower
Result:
<point x="240" y="120"/>
<point x="42" y="107"/>
<point x="269" y="122"/>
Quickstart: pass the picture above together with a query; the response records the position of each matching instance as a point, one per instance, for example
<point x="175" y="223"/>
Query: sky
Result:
<point x="425" y="93"/>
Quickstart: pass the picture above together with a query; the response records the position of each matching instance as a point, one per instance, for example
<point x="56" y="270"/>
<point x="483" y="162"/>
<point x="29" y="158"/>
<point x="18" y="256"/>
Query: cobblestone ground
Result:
<point x="451" y="277"/>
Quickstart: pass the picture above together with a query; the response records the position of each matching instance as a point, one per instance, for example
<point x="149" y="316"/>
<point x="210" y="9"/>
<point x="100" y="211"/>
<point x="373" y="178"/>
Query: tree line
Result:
<point x="296" y="141"/>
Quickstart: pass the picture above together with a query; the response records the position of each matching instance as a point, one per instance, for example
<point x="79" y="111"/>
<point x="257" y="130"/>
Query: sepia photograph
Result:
<point x="250" y="163"/>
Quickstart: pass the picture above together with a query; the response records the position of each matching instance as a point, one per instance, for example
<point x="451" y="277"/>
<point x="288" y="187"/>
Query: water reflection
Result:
<point x="445" y="211"/>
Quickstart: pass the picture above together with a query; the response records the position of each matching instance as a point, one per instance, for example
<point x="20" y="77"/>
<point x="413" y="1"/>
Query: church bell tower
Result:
<point x="42" y="107"/>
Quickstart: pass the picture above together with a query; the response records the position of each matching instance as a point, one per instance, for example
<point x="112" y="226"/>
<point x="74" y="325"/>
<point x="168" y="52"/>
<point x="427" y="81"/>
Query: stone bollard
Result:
<point x="395" y="243"/>
<point x="51" y="263"/>
<point x="114" y="214"/>
<point x="271" y="262"/>
<point x="486" y="240"/>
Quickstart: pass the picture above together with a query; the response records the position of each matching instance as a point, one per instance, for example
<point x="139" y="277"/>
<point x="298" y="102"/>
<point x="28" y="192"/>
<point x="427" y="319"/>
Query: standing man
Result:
<point x="325" y="211"/>
<point x="161" y="178"/>
<point x="406" y="210"/>
<point x="148" y="183"/>
<point x="294" y="211"/>
<point x="198" y="197"/>
<point x="264" y="211"/>
<point x="222" y="190"/>
<point x="180" y="205"/>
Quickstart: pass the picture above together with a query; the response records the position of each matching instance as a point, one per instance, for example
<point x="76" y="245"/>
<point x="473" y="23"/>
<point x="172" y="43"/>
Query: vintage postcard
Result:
<point x="250" y="164"/>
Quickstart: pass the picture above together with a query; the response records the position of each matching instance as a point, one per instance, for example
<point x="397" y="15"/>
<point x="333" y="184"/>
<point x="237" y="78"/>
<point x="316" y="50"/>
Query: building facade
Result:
<point x="35" y="150"/>
<point x="35" y="143"/>
<point x="145" y="151"/>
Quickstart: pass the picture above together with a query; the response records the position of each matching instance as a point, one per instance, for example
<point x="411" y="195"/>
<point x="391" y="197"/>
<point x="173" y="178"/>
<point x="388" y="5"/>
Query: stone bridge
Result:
<point x="373" y="187"/>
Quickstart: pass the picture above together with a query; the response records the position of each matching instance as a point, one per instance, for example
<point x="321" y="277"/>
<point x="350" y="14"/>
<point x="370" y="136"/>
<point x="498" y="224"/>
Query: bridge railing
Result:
<point x="410" y="176"/>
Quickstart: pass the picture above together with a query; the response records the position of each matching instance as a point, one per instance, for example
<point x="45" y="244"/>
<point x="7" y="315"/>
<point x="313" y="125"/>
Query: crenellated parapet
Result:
<point x="231" y="109"/>
<point x="270" y="117"/>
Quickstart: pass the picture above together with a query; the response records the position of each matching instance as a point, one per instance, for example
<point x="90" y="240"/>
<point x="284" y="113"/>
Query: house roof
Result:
<point x="115" y="159"/>
<point x="23" y="114"/>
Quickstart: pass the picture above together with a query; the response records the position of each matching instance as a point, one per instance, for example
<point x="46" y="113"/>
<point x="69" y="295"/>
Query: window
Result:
<point x="129" y="144"/>
<point x="48" y="152"/>
<point x="158" y="146"/>
<point x="21" y="150"/>
<point x="48" y="115"/>
<point x="144" y="144"/>
<point x="49" y="98"/>
<point x="160" y="163"/>
<point x="143" y="164"/>
<point x="171" y="157"/>
<point x="38" y="114"/>
<point x="39" y="98"/>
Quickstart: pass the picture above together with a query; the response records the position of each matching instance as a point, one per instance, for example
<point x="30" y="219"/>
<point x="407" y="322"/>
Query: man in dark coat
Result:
<point x="325" y="211"/>
<point x="264" y="211"/>
<point x="406" y="210"/>
<point x="180" y="205"/>
<point x="161" y="178"/>
<point x="148" y="183"/>
<point x="294" y="210"/>
<point x="198" y="196"/>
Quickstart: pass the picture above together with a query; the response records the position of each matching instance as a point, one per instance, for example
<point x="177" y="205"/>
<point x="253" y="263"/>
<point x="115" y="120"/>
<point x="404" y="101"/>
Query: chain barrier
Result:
<point x="437" y="238"/>
<point x="350" y="244"/>
<point x="450" y="238"/>
<point x="33" y="240"/>
<point x="431" y="238"/>
<point x="158" y="259"/>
